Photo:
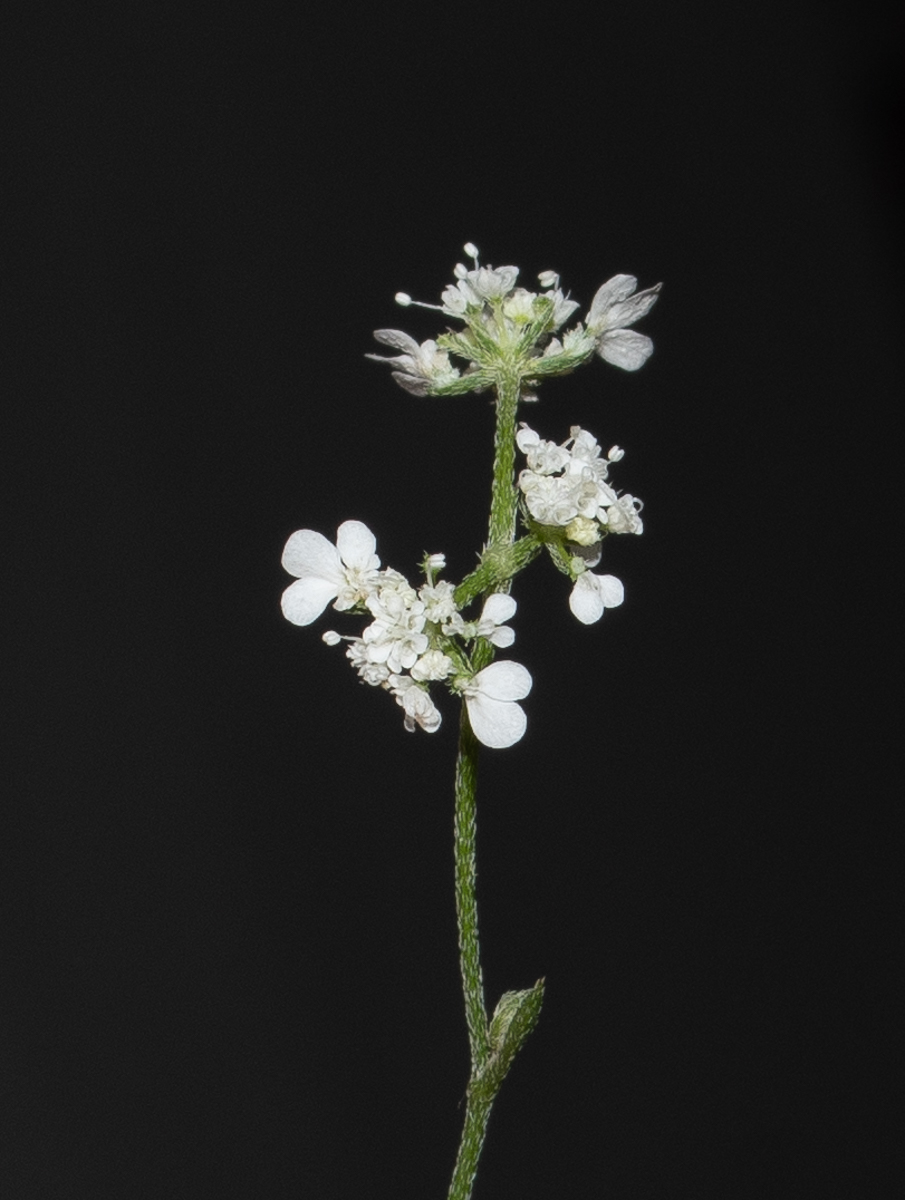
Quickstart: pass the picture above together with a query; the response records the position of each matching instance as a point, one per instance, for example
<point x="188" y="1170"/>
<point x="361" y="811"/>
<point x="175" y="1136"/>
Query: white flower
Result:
<point x="399" y="646"/>
<point x="592" y="594"/>
<point x="359" y="655"/>
<point x="432" y="665"/>
<point x="519" y="306"/>
<point x="474" y="287"/>
<point x="439" y="600"/>
<point x="613" y="309"/>
<point x="582" y="531"/>
<point x="563" y="307"/>
<point x="416" y="703"/>
<point x="346" y="572"/>
<point x="419" y="368"/>
<point x="623" y="516"/>
<point x="497" y="609"/>
<point x="543" y="457"/>
<point x="490" y="697"/>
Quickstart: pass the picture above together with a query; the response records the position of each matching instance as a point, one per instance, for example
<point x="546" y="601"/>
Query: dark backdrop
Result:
<point x="231" y="962"/>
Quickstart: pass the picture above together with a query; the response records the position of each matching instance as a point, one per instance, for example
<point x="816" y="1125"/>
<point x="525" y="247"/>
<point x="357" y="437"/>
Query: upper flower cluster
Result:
<point x="416" y="636"/>
<point x="508" y="326"/>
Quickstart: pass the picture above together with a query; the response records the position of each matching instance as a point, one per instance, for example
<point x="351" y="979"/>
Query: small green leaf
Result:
<point x="513" y="1019"/>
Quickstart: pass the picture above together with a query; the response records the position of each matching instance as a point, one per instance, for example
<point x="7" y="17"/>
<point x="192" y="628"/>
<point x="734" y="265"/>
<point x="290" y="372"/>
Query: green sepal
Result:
<point x="473" y="381"/>
<point x="561" y="560"/>
<point x="556" y="364"/>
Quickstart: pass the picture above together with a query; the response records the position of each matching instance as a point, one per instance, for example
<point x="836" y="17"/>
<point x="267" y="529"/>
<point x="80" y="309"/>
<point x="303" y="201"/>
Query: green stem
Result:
<point x="504" y="499"/>
<point x="477" y="1114"/>
<point x="466" y="894"/>
<point x="498" y="565"/>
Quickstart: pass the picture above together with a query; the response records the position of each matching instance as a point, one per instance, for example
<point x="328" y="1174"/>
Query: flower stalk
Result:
<point x="510" y="341"/>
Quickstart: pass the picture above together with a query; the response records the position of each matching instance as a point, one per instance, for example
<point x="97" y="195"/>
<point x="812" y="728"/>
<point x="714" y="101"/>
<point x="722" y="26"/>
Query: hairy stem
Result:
<point x="504" y="500"/>
<point x="476" y="1117"/>
<point x="499" y="562"/>
<point x="466" y="893"/>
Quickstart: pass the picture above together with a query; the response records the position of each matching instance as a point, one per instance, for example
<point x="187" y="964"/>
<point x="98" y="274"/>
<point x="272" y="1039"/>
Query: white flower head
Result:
<point x="550" y="499"/>
<point x="346" y="572"/>
<point x="432" y="665"/>
<point x="624" y="516"/>
<point x="490" y="697"/>
<point x="416" y="703"/>
<point x="369" y="671"/>
<point x="439" y="600"/>
<point x="616" y="306"/>
<point x="592" y="594"/>
<point x="543" y="457"/>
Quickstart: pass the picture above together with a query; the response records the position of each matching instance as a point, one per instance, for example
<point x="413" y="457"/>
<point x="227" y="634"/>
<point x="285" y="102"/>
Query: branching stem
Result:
<point x="501" y="560"/>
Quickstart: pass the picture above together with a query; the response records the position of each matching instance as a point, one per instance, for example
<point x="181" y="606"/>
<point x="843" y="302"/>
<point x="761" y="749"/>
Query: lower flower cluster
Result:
<point x="565" y="487"/>
<point x="416" y="636"/>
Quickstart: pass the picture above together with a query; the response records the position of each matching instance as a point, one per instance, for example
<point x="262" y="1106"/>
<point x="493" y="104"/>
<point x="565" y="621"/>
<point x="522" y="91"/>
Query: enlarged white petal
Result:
<point x="398" y="340"/>
<point x="592" y="594"/>
<point x="305" y="600"/>
<point x="356" y="545"/>
<point x="498" y="608"/>
<point x="503" y="636"/>
<point x="411" y="383"/>
<point x="496" y="723"/>
<point x="308" y="553"/>
<point x="504" y="681"/>
<point x="625" y="348"/>
<point x="627" y="312"/>
<point x="619" y="288"/>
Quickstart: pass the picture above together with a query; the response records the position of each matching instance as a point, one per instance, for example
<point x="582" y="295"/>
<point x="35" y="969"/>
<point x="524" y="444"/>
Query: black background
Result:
<point x="230" y="964"/>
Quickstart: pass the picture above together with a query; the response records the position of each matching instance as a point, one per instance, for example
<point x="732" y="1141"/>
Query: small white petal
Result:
<point x="503" y="636"/>
<point x="625" y="348"/>
<point x="592" y="594"/>
<point x="526" y="438"/>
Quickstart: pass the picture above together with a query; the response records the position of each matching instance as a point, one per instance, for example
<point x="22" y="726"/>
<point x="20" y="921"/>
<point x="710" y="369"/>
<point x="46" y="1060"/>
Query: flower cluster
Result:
<point x="505" y="321"/>
<point x="415" y="636"/>
<point x="565" y="487"/>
